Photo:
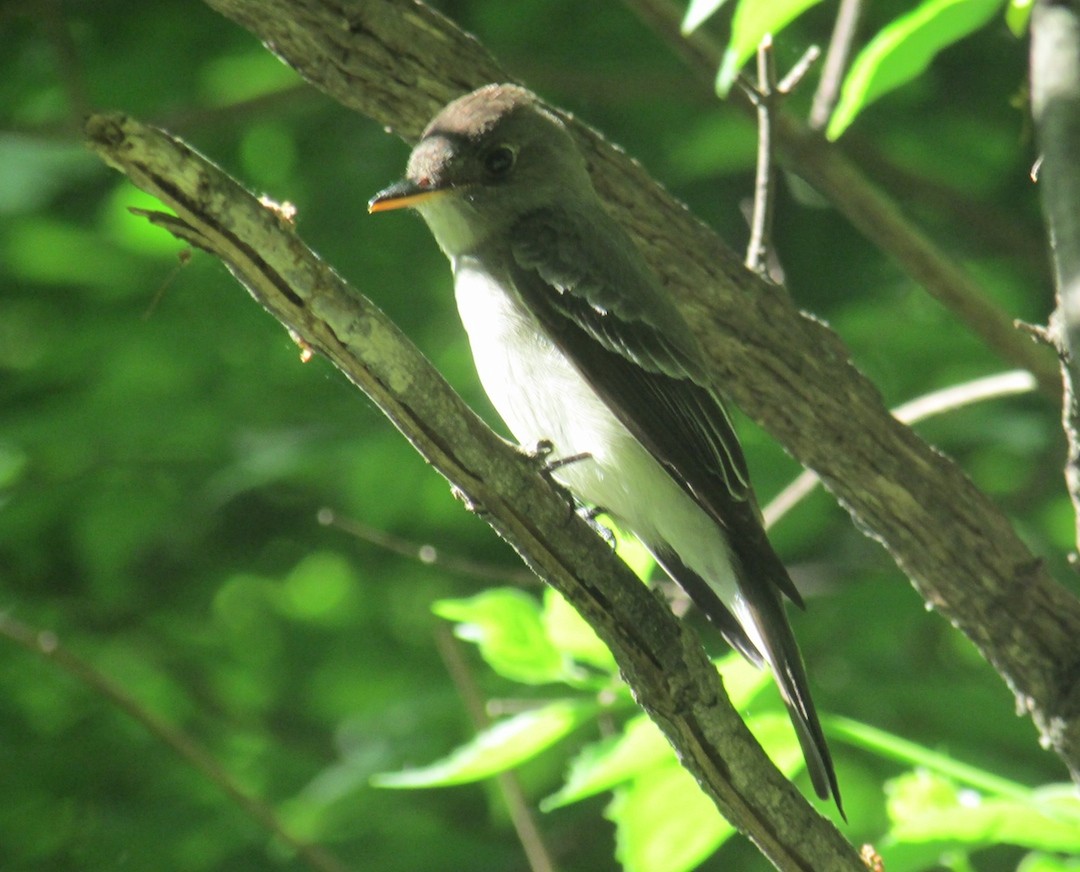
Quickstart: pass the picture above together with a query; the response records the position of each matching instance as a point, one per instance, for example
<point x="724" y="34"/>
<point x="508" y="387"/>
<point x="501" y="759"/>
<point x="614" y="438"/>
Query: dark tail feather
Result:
<point x="706" y="599"/>
<point x="783" y="653"/>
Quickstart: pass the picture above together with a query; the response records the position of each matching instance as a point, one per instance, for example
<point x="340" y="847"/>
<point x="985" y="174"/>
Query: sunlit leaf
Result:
<point x="641" y="746"/>
<point x="506" y="625"/>
<point x="664" y="823"/>
<point x="571" y="634"/>
<point x="1017" y="15"/>
<point x="753" y="20"/>
<point x="1048" y="863"/>
<point x="606" y="764"/>
<point x="927" y="807"/>
<point x="503" y="746"/>
<point x="903" y="50"/>
<point x="697" y="13"/>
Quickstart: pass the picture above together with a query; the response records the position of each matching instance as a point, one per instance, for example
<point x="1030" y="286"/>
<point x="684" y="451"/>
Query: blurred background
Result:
<point x="164" y="454"/>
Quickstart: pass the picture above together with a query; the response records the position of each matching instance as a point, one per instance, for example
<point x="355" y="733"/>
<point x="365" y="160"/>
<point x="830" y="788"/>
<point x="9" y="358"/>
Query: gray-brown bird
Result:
<point x="576" y="343"/>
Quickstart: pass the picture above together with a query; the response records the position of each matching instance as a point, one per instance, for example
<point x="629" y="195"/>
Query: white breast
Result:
<point x="540" y="395"/>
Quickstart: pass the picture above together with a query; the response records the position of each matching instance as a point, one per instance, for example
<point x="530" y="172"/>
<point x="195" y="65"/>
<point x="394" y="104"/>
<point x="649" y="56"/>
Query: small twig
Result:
<point x="426" y="554"/>
<point x="874" y="214"/>
<point x="46" y="644"/>
<point x="766" y="96"/>
<point x="836" y="61"/>
<point x="1005" y="384"/>
<point x="521" y="814"/>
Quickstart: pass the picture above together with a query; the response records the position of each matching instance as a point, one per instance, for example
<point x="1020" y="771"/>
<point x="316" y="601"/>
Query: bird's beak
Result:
<point x="402" y="195"/>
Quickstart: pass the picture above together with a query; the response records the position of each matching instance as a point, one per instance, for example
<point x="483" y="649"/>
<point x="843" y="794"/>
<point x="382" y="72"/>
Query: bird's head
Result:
<point x="484" y="161"/>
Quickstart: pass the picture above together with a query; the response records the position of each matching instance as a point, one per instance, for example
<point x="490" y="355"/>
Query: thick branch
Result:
<point x="1055" y="107"/>
<point x="397" y="61"/>
<point x="659" y="656"/>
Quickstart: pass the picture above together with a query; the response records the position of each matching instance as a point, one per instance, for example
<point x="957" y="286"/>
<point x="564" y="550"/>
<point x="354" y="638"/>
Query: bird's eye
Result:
<point x="500" y="160"/>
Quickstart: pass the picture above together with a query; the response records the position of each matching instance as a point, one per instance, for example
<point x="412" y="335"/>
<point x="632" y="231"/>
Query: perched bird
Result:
<point x="577" y="344"/>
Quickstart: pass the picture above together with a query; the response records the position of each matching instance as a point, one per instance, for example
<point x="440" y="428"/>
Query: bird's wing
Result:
<point x="606" y="314"/>
<point x="597" y="301"/>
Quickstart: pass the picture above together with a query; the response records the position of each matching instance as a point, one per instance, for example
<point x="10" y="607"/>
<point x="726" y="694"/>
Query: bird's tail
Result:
<point x="767" y="614"/>
<point x="769" y="640"/>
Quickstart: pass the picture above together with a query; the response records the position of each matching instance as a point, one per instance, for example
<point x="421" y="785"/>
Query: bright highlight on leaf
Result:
<point x="506" y="625"/>
<point x="903" y="50"/>
<point x="503" y="746"/>
<point x="697" y="13"/>
<point x="925" y="807"/>
<point x="1017" y="15"/>
<point x="754" y="19"/>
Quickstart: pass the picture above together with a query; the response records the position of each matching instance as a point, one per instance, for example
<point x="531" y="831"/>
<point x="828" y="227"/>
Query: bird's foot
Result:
<point x="589" y="514"/>
<point x="543" y="451"/>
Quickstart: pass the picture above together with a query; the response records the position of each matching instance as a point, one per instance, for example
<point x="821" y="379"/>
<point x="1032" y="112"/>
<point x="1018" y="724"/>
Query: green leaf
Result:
<point x="754" y="19"/>
<point x="630" y="549"/>
<point x="664" y="823"/>
<point x="928" y="807"/>
<point x="507" y="744"/>
<point x="571" y="634"/>
<point x="607" y="764"/>
<point x="903" y="50"/>
<point x="506" y="625"/>
<point x="742" y="680"/>
<point x="697" y="13"/>
<point x="1017" y="16"/>
<point x="1048" y="863"/>
<point x="641" y="746"/>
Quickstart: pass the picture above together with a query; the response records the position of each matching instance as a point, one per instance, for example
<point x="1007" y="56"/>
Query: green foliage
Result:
<point x="896" y="55"/>
<point x="164" y="456"/>
<point x="903" y="50"/>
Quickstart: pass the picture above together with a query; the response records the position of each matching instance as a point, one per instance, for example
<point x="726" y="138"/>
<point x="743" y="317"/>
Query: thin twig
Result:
<point x="767" y="95"/>
<point x="426" y="554"/>
<point x="873" y="213"/>
<point x="46" y="644"/>
<point x="1005" y="384"/>
<point x="757" y="250"/>
<point x="521" y="814"/>
<point x="836" y="61"/>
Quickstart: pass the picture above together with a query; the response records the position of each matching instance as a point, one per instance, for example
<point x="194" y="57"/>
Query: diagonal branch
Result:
<point x="659" y="656"/>
<point x="397" y="61"/>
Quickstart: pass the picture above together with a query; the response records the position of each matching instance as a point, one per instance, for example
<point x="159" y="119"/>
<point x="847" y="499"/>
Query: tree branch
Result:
<point x="659" y="656"/>
<point x="398" y="61"/>
<point x="869" y="209"/>
<point x="1055" y="108"/>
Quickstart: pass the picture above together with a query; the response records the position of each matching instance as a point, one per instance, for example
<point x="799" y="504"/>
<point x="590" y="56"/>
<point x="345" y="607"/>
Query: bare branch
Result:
<point x="836" y="60"/>
<point x="948" y="399"/>
<point x="45" y="644"/>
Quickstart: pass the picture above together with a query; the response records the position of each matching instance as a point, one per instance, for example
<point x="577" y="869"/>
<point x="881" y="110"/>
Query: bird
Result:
<point x="579" y="346"/>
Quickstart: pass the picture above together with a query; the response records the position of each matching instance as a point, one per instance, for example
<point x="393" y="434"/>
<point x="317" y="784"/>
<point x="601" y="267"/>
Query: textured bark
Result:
<point x="398" y="61"/>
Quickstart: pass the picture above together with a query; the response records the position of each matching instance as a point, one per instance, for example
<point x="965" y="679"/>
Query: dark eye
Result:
<point x="500" y="160"/>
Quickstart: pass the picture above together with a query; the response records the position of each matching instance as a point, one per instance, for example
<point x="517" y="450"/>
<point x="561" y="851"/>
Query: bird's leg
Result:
<point x="543" y="451"/>
<point x="542" y="454"/>
<point x="589" y="514"/>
